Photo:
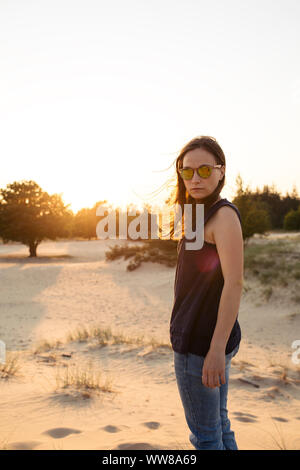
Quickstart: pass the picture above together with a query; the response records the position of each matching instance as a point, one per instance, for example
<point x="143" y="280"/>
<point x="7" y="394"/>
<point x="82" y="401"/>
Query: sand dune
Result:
<point x="133" y="401"/>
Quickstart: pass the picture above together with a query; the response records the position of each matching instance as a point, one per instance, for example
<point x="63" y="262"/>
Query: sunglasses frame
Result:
<point x="196" y="169"/>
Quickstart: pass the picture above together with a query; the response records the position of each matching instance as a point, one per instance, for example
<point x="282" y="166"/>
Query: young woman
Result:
<point x="204" y="330"/>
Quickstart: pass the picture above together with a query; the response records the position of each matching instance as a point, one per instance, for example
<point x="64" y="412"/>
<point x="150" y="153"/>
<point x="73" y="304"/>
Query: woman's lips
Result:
<point x="196" y="189"/>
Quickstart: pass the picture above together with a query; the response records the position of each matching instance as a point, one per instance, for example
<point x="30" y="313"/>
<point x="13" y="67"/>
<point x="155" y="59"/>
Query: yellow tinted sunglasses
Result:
<point x="204" y="171"/>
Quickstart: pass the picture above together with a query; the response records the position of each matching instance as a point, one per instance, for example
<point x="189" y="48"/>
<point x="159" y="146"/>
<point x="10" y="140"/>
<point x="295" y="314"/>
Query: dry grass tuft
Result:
<point x="105" y="336"/>
<point x="45" y="345"/>
<point x="294" y="316"/>
<point x="280" y="441"/>
<point x="85" y="379"/>
<point x="10" y="367"/>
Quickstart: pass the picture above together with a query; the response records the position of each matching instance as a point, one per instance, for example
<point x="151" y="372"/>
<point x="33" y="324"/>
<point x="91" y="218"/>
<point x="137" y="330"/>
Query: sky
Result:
<point x="97" y="98"/>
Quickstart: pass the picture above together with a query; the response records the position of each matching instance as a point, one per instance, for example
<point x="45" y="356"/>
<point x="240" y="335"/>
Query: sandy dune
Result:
<point x="70" y="285"/>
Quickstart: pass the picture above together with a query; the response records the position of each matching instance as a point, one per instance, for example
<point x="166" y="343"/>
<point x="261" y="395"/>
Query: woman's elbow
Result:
<point x="236" y="283"/>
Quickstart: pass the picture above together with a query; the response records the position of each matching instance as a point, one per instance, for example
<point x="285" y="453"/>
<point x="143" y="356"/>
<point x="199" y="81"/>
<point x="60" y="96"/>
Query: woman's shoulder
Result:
<point x="226" y="217"/>
<point x="228" y="208"/>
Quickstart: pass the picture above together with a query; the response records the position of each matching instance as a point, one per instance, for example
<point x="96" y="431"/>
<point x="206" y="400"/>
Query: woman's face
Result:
<point x="199" y="187"/>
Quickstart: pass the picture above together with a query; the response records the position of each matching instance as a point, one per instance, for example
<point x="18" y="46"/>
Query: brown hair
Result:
<point x="179" y="194"/>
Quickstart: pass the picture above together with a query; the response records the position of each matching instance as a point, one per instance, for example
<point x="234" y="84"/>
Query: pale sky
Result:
<point x="98" y="97"/>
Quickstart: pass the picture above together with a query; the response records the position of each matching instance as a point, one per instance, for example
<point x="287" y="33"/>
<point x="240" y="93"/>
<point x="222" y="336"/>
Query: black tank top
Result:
<point x="197" y="291"/>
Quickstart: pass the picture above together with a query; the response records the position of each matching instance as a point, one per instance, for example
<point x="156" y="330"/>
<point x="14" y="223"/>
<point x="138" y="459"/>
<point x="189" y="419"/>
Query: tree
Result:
<point x="256" y="221"/>
<point x="292" y="220"/>
<point x="29" y="215"/>
<point x="254" y="213"/>
<point x="85" y="221"/>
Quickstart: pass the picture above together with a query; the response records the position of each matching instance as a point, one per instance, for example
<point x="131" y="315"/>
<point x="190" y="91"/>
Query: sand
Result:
<point x="70" y="285"/>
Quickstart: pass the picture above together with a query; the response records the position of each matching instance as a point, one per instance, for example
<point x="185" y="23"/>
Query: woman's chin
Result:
<point x="203" y="198"/>
<point x="199" y="196"/>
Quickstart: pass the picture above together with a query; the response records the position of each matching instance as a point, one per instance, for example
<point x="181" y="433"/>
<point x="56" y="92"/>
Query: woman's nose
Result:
<point x="196" y="177"/>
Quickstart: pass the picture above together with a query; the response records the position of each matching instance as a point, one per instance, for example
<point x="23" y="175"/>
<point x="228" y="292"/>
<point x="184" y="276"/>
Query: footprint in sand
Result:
<point x="277" y="418"/>
<point x="137" y="446"/>
<point x="151" y="424"/>
<point x="61" y="432"/>
<point x="111" y="428"/>
<point x="245" y="417"/>
<point x="26" y="445"/>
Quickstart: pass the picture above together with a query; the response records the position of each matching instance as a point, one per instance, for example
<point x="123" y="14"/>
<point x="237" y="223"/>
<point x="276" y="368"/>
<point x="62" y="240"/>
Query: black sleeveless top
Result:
<point x="197" y="291"/>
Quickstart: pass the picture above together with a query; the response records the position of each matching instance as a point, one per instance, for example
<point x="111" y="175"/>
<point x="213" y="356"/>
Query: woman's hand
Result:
<point x="214" y="369"/>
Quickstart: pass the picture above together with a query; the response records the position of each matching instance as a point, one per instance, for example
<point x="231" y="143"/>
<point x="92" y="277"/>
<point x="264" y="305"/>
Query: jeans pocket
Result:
<point x="194" y="365"/>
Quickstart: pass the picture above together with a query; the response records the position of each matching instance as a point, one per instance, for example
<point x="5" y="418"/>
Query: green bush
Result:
<point x="292" y="220"/>
<point x="256" y="221"/>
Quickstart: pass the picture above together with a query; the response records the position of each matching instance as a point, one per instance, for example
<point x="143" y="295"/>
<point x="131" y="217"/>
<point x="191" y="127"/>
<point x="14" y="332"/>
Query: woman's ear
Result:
<point x="223" y="169"/>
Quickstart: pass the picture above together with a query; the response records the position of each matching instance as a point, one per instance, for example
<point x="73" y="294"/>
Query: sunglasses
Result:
<point x="204" y="171"/>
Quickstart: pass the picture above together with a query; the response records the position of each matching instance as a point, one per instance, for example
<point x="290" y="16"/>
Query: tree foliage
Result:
<point x="29" y="215"/>
<point x="264" y="210"/>
<point x="292" y="220"/>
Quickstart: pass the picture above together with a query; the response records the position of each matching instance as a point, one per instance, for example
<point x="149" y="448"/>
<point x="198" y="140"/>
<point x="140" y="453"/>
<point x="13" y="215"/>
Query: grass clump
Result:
<point x="105" y="336"/>
<point x="156" y="251"/>
<point x="274" y="262"/>
<point x="294" y="316"/>
<point x="45" y="345"/>
<point x="267" y="293"/>
<point x="10" y="367"/>
<point x="84" y="379"/>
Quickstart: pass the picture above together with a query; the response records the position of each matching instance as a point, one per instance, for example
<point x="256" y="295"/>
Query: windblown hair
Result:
<point x="180" y="195"/>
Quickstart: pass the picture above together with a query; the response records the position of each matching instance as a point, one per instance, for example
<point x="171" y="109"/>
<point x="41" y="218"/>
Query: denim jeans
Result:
<point x="205" y="408"/>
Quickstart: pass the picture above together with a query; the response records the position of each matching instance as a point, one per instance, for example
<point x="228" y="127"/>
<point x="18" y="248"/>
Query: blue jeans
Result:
<point x="205" y="408"/>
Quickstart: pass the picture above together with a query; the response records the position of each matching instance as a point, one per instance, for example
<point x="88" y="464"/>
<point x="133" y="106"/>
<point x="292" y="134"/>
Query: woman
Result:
<point x="204" y="330"/>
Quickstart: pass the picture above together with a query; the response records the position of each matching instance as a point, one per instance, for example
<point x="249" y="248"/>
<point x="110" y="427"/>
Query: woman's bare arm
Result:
<point x="229" y="243"/>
